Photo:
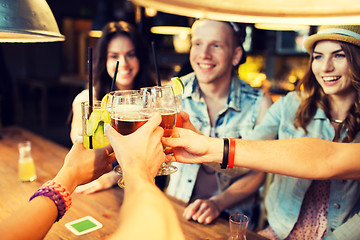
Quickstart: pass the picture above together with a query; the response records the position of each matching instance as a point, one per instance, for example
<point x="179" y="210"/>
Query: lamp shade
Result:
<point x="170" y="24"/>
<point x="103" y="16"/>
<point x="309" y="12"/>
<point x="27" y="21"/>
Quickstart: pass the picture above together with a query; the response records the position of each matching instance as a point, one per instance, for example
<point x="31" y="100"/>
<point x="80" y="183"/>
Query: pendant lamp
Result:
<point x="27" y="21"/>
<point x="103" y="16"/>
<point x="170" y="24"/>
<point x="308" y="12"/>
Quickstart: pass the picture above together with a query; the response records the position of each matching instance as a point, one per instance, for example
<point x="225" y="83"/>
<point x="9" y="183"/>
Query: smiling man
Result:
<point x="219" y="105"/>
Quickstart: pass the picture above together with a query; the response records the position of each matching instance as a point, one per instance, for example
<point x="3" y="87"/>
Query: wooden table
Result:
<point x="103" y="206"/>
<point x="219" y="229"/>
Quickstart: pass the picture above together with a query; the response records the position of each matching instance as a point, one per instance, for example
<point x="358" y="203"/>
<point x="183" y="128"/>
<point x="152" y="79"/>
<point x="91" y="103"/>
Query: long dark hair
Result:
<point x="102" y="80"/>
<point x="314" y="96"/>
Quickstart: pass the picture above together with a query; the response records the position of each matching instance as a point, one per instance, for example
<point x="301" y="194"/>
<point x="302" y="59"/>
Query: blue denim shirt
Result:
<point x="236" y="120"/>
<point x="285" y="195"/>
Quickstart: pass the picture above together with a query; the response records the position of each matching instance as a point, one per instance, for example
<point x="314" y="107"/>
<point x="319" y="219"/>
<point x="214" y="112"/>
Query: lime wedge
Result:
<point x="177" y="86"/>
<point x="105" y="116"/>
<point x="93" y="122"/>
<point x="105" y="101"/>
<point x="96" y="117"/>
<point x="99" y="138"/>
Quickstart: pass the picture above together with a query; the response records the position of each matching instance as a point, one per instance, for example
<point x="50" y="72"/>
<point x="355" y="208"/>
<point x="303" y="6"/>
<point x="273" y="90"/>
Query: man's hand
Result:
<point x="190" y="147"/>
<point x="140" y="151"/>
<point x="202" y="211"/>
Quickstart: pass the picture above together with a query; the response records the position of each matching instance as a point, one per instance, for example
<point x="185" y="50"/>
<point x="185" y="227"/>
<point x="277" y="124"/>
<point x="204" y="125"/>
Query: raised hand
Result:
<point x="141" y="150"/>
<point x="97" y="161"/>
<point x="186" y="123"/>
<point x="190" y="147"/>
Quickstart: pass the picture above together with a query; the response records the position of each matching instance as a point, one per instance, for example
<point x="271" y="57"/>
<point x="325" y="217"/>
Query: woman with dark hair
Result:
<point x="136" y="74"/>
<point x="120" y="41"/>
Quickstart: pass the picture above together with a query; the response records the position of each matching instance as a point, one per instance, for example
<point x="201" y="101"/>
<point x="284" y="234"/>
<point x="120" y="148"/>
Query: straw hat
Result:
<point x="344" y="33"/>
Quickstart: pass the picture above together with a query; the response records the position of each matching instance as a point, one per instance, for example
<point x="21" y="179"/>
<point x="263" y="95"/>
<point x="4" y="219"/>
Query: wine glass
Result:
<point x="179" y="108"/>
<point x="129" y="111"/>
<point x="163" y="100"/>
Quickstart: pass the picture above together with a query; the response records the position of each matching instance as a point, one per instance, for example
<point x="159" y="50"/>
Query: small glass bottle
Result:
<point x="26" y="171"/>
<point x="238" y="225"/>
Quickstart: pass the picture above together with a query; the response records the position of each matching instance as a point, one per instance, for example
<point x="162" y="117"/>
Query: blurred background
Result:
<point x="38" y="81"/>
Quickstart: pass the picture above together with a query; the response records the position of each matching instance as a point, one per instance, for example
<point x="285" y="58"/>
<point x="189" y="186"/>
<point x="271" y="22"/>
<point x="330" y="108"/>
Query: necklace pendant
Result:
<point x="337" y="121"/>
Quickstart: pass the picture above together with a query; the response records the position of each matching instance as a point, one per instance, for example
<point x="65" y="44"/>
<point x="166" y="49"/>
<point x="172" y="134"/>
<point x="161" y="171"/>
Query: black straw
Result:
<point x="90" y="89"/>
<point x="114" y="78"/>
<point x="155" y="63"/>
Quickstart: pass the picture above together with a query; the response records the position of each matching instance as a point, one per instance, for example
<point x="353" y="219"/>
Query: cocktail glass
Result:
<point x="94" y="119"/>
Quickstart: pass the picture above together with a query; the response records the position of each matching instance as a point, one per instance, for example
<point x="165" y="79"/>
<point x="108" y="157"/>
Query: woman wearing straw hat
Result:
<point x="326" y="105"/>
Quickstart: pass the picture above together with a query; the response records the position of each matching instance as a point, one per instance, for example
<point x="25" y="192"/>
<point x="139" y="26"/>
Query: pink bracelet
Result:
<point x="61" y="190"/>
<point x="58" y="194"/>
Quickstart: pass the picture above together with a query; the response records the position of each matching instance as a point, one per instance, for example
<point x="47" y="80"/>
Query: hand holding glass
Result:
<point x="164" y="101"/>
<point x="129" y="111"/>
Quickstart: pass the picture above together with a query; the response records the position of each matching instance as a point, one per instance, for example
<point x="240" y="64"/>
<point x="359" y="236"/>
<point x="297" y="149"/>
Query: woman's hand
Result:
<point x="106" y="181"/>
<point x="83" y="165"/>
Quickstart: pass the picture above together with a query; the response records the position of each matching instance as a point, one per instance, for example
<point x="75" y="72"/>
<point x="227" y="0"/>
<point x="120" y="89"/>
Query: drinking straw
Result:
<point x="155" y="64"/>
<point x="114" y="78"/>
<point x="90" y="89"/>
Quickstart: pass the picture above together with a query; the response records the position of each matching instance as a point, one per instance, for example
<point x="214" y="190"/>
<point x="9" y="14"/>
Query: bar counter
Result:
<point x="103" y="206"/>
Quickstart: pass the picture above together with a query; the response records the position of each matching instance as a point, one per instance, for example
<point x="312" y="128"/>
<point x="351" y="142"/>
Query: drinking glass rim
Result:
<point x="241" y="218"/>
<point x="96" y="104"/>
<point x="125" y="91"/>
<point x="163" y="86"/>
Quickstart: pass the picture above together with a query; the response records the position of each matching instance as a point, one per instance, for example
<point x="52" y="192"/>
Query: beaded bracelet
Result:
<point x="61" y="190"/>
<point x="55" y="197"/>
<point x="58" y="194"/>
